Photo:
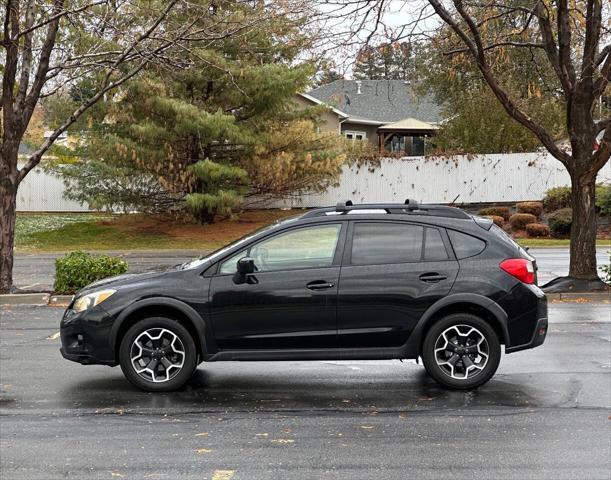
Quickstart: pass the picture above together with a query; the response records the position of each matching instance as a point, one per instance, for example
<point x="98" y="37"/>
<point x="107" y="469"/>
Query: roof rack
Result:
<point x="409" y="207"/>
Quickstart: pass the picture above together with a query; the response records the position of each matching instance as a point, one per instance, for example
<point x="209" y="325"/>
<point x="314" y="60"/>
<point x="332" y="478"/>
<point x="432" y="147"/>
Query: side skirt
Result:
<point x="313" y="354"/>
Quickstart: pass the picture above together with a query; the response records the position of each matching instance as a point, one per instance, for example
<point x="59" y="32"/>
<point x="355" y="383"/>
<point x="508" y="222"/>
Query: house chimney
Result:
<point x="358" y="87"/>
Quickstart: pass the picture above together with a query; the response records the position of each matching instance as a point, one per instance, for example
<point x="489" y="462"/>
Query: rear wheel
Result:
<point x="461" y="351"/>
<point x="158" y="355"/>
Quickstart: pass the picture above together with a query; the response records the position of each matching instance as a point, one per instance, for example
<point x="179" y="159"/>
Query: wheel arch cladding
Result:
<point x="474" y="304"/>
<point x="160" y="307"/>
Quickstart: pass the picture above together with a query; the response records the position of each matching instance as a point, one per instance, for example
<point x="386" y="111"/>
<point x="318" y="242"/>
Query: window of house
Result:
<point x="395" y="144"/>
<point x="418" y="146"/>
<point x="355" y="135"/>
<point x="412" y="146"/>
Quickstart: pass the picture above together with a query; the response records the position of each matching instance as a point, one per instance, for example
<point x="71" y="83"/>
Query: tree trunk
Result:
<point x="583" y="228"/>
<point x="8" y="206"/>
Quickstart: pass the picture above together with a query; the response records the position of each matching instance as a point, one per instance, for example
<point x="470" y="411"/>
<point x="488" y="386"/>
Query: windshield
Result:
<point x="212" y="257"/>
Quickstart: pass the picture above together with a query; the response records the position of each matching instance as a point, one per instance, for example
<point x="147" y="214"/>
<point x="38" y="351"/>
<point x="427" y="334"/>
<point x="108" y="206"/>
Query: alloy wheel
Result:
<point x="461" y="351"/>
<point x="157" y="355"/>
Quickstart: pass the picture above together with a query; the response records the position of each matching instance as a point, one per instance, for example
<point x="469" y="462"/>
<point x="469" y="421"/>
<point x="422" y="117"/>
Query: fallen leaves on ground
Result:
<point x="223" y="474"/>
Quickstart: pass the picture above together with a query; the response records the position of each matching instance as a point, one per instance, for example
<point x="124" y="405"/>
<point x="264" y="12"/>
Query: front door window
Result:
<point x="308" y="247"/>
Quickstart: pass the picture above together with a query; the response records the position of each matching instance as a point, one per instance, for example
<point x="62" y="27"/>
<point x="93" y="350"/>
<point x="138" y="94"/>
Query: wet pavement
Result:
<point x="544" y="415"/>
<point x="36" y="271"/>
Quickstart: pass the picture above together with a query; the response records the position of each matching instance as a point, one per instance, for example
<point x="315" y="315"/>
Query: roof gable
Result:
<point x="380" y="100"/>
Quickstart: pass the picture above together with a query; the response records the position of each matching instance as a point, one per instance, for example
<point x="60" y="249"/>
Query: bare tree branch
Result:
<point x="475" y="46"/>
<point x="34" y="159"/>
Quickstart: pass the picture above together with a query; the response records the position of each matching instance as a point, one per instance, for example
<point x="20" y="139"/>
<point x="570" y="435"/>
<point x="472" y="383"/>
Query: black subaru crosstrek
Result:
<point x="377" y="281"/>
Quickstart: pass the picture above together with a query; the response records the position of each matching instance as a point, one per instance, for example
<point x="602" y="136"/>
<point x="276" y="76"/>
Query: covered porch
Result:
<point x="406" y="137"/>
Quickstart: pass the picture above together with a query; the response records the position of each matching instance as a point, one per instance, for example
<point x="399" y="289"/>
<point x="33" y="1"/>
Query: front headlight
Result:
<point x="91" y="300"/>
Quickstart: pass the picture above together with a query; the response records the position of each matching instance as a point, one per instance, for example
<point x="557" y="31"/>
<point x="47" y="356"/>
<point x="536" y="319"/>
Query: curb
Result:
<point x="35" y="299"/>
<point x="580" y="297"/>
<point x="58" y="300"/>
<point x="24" y="299"/>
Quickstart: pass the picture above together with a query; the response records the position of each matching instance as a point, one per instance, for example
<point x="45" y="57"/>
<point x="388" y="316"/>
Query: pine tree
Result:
<point x="388" y="61"/>
<point x="207" y="132"/>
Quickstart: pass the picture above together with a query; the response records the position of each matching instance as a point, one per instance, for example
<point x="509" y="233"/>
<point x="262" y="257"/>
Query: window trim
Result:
<point x="347" y="257"/>
<point x="337" y="256"/>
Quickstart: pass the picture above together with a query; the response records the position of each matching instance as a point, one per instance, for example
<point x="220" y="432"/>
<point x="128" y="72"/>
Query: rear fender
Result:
<point x="413" y="346"/>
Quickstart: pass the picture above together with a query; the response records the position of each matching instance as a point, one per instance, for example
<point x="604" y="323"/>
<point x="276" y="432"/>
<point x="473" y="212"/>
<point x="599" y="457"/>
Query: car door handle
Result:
<point x="319" y="285"/>
<point x="432" y="277"/>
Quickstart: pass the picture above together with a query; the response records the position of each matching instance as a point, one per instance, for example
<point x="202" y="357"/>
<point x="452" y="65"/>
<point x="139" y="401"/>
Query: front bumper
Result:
<point x="85" y="337"/>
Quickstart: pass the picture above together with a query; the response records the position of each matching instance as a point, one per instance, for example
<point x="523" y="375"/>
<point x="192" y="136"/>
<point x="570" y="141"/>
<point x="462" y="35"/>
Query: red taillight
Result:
<point x="519" y="268"/>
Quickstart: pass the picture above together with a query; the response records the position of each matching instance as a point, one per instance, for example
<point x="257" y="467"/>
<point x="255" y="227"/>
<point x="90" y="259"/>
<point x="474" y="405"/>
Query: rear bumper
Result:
<point x="539" y="332"/>
<point x="537" y="339"/>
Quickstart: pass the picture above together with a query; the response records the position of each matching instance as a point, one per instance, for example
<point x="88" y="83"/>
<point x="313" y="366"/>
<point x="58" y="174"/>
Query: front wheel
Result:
<point x="461" y="351"/>
<point x="158" y="355"/>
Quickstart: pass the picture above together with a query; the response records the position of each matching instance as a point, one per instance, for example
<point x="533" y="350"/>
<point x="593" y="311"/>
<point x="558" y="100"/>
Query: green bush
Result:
<point x="534" y="208"/>
<point x="560" y="222"/>
<point x="603" y="198"/>
<point x="518" y="221"/>
<point x="78" y="269"/>
<point x="557" y="198"/>
<point x="560" y="197"/>
<point x="496" y="212"/>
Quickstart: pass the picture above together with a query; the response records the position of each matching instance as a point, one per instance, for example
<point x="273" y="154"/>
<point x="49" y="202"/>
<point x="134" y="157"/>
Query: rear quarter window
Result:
<point x="465" y="245"/>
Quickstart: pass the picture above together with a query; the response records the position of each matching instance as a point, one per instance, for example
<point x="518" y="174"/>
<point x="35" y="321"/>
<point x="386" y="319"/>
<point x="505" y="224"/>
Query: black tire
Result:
<point x="442" y="375"/>
<point x="177" y="377"/>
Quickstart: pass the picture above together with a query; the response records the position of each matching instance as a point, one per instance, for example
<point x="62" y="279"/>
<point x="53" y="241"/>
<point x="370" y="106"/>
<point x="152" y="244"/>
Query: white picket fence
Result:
<point x="464" y="179"/>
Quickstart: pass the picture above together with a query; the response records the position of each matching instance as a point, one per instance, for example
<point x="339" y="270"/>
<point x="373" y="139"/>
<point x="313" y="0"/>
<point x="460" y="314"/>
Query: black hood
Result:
<point x="121" y="280"/>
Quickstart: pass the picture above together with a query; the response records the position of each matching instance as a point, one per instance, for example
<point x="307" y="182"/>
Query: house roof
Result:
<point x="382" y="101"/>
<point x="320" y="102"/>
<point x="409" y="124"/>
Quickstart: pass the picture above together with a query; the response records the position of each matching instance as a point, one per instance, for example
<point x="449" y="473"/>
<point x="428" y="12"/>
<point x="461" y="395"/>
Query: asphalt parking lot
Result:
<point x="545" y="414"/>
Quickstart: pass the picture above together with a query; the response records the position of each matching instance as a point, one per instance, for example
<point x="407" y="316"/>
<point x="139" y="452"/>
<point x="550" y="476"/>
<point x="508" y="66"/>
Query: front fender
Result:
<point x="199" y="324"/>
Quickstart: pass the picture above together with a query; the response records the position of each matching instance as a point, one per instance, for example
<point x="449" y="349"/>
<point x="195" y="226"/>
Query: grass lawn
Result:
<point x="556" y="242"/>
<point x="67" y="232"/>
<point x="88" y="231"/>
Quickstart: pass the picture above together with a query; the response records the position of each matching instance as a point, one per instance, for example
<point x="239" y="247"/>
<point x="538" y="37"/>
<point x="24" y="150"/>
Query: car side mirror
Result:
<point x="246" y="265"/>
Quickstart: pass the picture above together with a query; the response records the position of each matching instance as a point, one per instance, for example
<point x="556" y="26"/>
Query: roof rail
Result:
<point x="341" y="206"/>
<point x="408" y="207"/>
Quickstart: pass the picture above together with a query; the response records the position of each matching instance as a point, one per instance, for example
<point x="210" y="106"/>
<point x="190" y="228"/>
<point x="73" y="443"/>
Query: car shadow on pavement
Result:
<point x="277" y="391"/>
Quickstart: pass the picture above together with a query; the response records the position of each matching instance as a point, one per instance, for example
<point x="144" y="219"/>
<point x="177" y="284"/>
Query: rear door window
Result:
<point x="465" y="245"/>
<point x="434" y="248"/>
<point x="383" y="243"/>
